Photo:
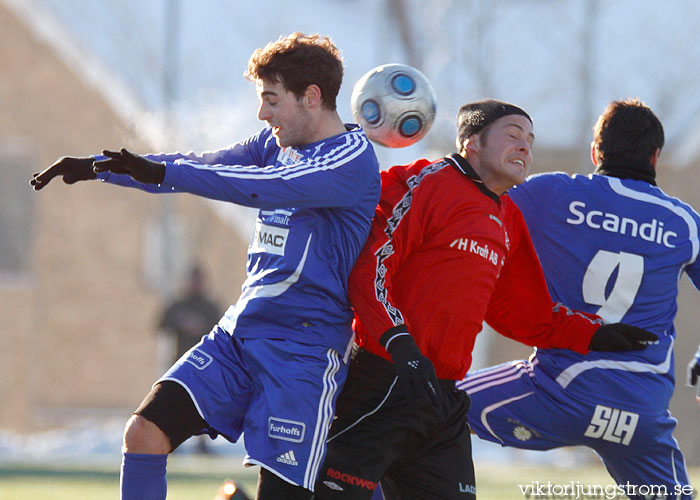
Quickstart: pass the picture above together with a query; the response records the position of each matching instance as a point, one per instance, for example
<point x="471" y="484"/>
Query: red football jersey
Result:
<point x="446" y="254"/>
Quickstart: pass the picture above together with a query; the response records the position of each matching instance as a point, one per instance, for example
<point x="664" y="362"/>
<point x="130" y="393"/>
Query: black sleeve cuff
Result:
<point x="388" y="335"/>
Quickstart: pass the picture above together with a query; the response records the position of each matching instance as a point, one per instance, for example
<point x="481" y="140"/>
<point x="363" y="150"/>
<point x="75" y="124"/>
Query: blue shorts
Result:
<point x="280" y="393"/>
<point x="510" y="408"/>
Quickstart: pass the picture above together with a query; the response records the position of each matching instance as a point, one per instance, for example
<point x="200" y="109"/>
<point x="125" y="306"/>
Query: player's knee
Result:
<point x="143" y="436"/>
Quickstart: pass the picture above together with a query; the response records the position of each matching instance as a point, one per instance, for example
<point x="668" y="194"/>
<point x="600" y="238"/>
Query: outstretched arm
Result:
<point x="248" y="173"/>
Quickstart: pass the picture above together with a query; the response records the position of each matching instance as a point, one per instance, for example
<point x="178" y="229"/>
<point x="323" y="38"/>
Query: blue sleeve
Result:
<point x="239" y="153"/>
<point x="335" y="175"/>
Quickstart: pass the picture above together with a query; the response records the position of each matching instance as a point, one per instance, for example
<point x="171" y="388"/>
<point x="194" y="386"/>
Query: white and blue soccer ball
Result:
<point x="395" y="104"/>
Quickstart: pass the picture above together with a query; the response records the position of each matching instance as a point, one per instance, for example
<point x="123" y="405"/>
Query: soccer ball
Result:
<point x="395" y="104"/>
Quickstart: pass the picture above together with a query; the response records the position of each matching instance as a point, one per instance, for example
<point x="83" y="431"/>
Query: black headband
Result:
<point x="474" y="116"/>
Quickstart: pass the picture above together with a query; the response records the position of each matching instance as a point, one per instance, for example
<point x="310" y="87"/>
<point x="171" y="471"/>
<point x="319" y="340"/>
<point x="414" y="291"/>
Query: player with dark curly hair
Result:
<point x="273" y="365"/>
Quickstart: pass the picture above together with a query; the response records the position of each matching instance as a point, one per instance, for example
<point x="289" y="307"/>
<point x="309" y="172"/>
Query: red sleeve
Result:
<point x="521" y="307"/>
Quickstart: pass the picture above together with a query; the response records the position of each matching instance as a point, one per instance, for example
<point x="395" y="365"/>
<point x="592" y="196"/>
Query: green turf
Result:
<point x="190" y="478"/>
<point x="83" y="488"/>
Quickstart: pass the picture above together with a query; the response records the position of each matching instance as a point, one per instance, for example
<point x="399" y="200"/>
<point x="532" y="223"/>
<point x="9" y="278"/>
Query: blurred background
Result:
<point x="86" y="271"/>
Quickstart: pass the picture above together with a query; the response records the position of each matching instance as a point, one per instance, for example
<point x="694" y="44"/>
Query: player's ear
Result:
<point x="312" y="96"/>
<point x="655" y="157"/>
<point x="471" y="145"/>
<point x="594" y="153"/>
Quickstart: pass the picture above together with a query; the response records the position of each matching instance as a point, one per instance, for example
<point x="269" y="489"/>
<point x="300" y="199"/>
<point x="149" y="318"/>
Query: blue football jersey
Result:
<point x="316" y="205"/>
<point x="616" y="248"/>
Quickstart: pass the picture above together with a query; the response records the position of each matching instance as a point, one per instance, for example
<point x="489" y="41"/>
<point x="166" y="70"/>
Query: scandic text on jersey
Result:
<point x="652" y="231"/>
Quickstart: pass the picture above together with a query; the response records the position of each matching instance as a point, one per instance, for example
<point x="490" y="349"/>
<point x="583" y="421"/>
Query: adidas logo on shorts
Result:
<point x="288" y="458"/>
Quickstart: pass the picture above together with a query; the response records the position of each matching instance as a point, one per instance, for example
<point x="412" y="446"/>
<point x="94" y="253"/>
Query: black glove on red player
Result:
<point x="621" y="337"/>
<point x="71" y="169"/>
<point x="415" y="372"/>
<point x="138" y="167"/>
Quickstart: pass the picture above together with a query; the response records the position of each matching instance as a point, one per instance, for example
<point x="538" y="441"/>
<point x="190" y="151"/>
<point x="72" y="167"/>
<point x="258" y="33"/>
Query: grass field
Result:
<point x="200" y="477"/>
<point x="189" y="477"/>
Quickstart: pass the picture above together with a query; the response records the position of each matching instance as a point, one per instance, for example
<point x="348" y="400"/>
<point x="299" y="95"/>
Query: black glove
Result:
<point x="621" y="337"/>
<point x="693" y="374"/>
<point x="138" y="167"/>
<point x="72" y="170"/>
<point x="415" y="372"/>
